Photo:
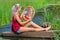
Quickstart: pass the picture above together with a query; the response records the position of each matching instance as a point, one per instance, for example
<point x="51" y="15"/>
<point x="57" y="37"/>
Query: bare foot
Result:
<point x="46" y="29"/>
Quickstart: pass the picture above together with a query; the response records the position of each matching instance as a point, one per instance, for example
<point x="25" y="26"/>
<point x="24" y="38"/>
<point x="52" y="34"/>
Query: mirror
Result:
<point x="28" y="12"/>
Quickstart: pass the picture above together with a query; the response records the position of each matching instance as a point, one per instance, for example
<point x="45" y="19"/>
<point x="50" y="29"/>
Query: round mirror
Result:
<point x="28" y="12"/>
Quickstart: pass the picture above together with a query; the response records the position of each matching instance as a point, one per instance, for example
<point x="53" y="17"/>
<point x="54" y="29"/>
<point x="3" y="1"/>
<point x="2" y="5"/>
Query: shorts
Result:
<point x="18" y="31"/>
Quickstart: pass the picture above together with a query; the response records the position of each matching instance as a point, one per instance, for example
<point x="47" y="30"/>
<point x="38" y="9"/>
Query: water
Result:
<point x="6" y="28"/>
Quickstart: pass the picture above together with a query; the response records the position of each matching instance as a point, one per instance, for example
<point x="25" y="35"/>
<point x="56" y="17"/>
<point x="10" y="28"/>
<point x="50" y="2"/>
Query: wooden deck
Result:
<point x="43" y="34"/>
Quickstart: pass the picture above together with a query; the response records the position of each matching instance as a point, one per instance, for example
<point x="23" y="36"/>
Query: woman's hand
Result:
<point x="30" y="18"/>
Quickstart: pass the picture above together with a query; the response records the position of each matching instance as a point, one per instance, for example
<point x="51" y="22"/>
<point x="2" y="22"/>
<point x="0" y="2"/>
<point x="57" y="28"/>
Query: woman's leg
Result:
<point x="35" y="25"/>
<point x="27" y="24"/>
<point x="25" y="29"/>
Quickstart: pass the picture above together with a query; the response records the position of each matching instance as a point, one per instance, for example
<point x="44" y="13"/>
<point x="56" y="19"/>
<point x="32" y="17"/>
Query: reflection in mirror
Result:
<point x="28" y="12"/>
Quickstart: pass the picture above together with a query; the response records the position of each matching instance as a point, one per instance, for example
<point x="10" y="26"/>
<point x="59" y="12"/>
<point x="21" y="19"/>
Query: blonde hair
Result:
<point x="15" y="8"/>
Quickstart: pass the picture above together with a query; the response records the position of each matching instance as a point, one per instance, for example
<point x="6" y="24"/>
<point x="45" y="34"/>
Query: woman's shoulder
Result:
<point x="15" y="14"/>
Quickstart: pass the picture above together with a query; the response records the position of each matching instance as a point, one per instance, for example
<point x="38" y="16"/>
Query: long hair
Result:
<point x="15" y="8"/>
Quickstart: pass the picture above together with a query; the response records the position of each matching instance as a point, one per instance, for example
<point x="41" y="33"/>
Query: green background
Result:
<point x="52" y="16"/>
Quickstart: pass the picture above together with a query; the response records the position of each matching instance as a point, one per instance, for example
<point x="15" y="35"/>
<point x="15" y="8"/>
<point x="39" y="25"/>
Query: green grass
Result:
<point x="6" y="5"/>
<point x="53" y="16"/>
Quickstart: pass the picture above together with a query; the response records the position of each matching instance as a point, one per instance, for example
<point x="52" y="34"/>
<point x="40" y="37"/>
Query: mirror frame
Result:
<point x="24" y="15"/>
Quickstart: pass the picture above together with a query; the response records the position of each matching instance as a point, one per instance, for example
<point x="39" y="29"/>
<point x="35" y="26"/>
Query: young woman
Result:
<point x="18" y="26"/>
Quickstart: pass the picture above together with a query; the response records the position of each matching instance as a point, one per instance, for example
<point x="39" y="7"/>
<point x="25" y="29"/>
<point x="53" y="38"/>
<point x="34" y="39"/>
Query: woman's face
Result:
<point x="30" y="12"/>
<point x="19" y="8"/>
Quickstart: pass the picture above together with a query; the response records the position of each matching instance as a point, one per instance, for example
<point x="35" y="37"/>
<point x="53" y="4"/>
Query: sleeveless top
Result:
<point x="15" y="25"/>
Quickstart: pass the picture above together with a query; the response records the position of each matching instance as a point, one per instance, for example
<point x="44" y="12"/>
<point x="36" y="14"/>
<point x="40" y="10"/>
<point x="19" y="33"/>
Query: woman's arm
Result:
<point x="19" y="20"/>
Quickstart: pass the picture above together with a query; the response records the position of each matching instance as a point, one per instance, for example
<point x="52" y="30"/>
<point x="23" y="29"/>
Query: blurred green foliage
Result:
<point x="51" y="12"/>
<point x="53" y="16"/>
